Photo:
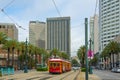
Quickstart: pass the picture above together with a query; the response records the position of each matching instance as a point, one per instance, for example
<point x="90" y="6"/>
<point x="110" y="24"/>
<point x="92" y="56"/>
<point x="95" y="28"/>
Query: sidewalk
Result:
<point x="91" y="76"/>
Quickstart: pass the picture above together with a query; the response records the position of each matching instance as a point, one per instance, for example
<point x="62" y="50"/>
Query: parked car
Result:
<point x="116" y="69"/>
<point x="113" y="69"/>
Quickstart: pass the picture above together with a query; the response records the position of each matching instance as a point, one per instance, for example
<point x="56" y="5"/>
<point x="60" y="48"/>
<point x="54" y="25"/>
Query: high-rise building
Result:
<point x="109" y="19"/>
<point x="58" y="34"/>
<point x="37" y="33"/>
<point x="10" y="30"/>
<point x="94" y="33"/>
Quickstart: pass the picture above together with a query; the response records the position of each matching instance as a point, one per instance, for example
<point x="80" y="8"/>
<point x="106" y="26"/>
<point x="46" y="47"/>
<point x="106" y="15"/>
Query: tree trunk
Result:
<point x="18" y="61"/>
<point x="8" y="56"/>
<point x="105" y="62"/>
<point x="13" y="56"/>
<point x="110" y="62"/>
<point x="113" y="60"/>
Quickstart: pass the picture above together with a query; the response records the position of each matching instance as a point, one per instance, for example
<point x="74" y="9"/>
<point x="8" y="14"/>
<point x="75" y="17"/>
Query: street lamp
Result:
<point x="25" y="69"/>
<point x="90" y="55"/>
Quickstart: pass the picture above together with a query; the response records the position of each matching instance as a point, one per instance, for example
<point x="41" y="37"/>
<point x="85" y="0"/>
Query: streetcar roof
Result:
<point x="54" y="59"/>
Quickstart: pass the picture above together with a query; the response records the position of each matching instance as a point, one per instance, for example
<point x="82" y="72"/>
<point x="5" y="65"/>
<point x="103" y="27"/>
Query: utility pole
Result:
<point x="86" y="45"/>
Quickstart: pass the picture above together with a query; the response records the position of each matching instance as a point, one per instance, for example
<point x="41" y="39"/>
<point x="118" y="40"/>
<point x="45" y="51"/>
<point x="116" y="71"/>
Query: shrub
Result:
<point x="42" y="69"/>
<point x="83" y="69"/>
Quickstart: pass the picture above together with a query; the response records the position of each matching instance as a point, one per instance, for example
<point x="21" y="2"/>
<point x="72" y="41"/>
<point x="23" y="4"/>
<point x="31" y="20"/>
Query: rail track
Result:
<point x="72" y="75"/>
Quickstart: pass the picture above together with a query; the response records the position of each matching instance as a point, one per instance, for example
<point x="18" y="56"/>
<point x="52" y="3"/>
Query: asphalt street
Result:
<point x="107" y="75"/>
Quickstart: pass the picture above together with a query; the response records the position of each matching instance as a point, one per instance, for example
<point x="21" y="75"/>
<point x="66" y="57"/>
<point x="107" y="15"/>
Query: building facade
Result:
<point x="10" y="30"/>
<point x="109" y="19"/>
<point x="94" y="33"/>
<point x="37" y="33"/>
<point x="58" y="34"/>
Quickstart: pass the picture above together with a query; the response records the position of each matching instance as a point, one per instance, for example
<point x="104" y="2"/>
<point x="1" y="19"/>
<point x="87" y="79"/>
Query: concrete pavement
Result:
<point x="91" y="76"/>
<point x="20" y="75"/>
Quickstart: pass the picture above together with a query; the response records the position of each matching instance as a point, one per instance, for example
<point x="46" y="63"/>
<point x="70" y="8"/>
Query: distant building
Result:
<point x="10" y="30"/>
<point x="58" y="34"/>
<point x="37" y="33"/>
<point x="94" y="33"/>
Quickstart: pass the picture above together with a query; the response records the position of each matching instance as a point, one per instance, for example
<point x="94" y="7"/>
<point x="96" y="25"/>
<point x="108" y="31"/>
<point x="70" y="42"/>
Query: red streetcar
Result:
<point x="59" y="66"/>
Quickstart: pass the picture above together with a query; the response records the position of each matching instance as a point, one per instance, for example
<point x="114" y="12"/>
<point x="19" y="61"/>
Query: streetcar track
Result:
<point x="40" y="77"/>
<point x="45" y="78"/>
<point x="69" y="75"/>
<point x="66" y="76"/>
<point x="77" y="75"/>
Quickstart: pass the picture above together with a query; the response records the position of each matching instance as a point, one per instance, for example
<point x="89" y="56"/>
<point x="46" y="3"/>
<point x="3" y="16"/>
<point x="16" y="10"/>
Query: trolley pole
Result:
<point x="86" y="45"/>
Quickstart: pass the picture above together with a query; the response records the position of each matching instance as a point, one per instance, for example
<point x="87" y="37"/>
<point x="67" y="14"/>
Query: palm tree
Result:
<point x="54" y="52"/>
<point x="64" y="55"/>
<point x="81" y="55"/>
<point x="105" y="54"/>
<point x="36" y="53"/>
<point x="18" y="53"/>
<point x="13" y="46"/>
<point x="21" y="56"/>
<point x="113" y="48"/>
<point x="31" y="51"/>
<point x="3" y="38"/>
<point x="7" y="46"/>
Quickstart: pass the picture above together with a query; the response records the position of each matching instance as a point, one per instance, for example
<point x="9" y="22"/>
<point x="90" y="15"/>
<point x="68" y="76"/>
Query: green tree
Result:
<point x="54" y="52"/>
<point x="10" y="45"/>
<point x="3" y="38"/>
<point x="75" y="62"/>
<point x="31" y="53"/>
<point x="81" y="55"/>
<point x="22" y="54"/>
<point x="113" y="48"/>
<point x="94" y="61"/>
<point x="64" y="55"/>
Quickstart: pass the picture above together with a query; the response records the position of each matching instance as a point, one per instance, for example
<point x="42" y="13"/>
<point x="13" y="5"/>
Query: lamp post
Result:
<point x="90" y="68"/>
<point x="25" y="69"/>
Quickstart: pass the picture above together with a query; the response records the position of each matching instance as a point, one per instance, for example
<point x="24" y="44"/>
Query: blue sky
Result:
<point x="23" y="11"/>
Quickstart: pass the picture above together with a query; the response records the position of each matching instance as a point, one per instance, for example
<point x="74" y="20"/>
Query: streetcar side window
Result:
<point x="54" y="64"/>
<point x="58" y="64"/>
<point x="50" y="64"/>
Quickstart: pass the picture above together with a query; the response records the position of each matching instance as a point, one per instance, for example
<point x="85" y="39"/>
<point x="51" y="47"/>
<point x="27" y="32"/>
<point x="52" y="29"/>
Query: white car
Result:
<point x="118" y="70"/>
<point x="75" y="68"/>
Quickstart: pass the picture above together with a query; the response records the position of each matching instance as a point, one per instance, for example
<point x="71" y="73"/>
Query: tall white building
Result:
<point x="109" y="19"/>
<point x="94" y="33"/>
<point x="37" y="33"/>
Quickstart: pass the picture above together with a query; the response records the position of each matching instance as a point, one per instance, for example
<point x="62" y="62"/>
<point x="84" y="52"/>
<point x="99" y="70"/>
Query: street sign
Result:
<point x="90" y="54"/>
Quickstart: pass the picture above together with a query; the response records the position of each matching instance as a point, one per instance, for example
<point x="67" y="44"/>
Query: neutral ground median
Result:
<point x="91" y="76"/>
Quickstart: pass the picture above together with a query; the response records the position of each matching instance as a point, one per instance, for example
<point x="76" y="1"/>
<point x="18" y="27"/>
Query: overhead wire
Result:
<point x="2" y="10"/>
<point x="8" y="4"/>
<point x="56" y="8"/>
